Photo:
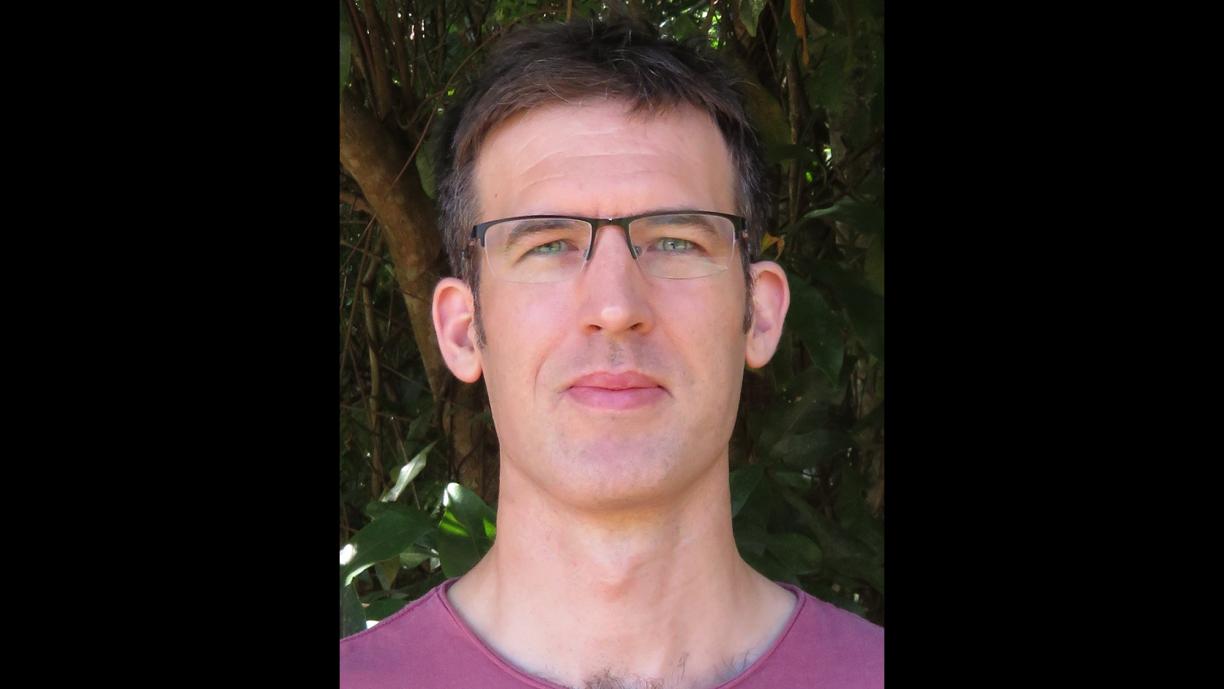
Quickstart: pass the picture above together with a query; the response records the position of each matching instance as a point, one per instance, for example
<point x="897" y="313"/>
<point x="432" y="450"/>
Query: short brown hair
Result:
<point x="621" y="60"/>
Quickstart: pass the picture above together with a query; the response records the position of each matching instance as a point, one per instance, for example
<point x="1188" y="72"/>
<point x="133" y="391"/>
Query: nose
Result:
<point x="612" y="289"/>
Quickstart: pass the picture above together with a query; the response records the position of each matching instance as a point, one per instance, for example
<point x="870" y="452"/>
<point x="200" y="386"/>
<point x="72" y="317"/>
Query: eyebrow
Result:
<point x="524" y="228"/>
<point x="705" y="222"/>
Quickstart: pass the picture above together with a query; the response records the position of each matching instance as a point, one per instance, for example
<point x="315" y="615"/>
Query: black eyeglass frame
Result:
<point x="739" y="223"/>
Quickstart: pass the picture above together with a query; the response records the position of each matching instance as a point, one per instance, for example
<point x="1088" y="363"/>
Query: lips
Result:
<point x="616" y="391"/>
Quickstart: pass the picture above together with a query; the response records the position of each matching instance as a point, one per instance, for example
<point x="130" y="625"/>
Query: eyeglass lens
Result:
<point x="682" y="245"/>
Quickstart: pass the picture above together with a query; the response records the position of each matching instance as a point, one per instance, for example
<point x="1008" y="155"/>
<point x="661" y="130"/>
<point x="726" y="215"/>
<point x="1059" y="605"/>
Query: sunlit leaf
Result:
<point x="406" y="473"/>
<point x="384" y="538"/>
<point x="466" y="531"/>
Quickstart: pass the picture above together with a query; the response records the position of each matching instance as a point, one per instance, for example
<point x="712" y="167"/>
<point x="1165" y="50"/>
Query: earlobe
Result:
<point x="770" y="300"/>
<point x="454" y="324"/>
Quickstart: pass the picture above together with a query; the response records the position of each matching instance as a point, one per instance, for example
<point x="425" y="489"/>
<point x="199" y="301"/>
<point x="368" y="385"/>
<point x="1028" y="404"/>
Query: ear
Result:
<point x="770" y="300"/>
<point x="454" y="322"/>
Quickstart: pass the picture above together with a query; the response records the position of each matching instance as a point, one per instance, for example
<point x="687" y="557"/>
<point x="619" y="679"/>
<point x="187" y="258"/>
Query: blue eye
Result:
<point x="673" y="244"/>
<point x="549" y="248"/>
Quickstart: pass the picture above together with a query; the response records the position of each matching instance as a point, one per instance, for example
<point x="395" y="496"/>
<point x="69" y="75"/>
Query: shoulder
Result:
<point x="826" y="646"/>
<point x="423" y="641"/>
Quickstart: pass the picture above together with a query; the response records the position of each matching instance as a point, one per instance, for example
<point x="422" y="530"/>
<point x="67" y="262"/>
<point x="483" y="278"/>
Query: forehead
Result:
<point x="600" y="159"/>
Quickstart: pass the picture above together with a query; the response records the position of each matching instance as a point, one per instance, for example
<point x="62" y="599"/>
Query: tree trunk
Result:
<point x="375" y="157"/>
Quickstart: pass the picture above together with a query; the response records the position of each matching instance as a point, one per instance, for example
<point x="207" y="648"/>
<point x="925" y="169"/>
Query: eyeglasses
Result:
<point x="551" y="248"/>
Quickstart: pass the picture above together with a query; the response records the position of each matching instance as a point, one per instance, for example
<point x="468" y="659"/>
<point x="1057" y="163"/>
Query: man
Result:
<point x="601" y="195"/>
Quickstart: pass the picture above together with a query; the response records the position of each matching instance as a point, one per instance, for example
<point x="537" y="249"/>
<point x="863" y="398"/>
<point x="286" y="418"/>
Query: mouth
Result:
<point x="616" y="391"/>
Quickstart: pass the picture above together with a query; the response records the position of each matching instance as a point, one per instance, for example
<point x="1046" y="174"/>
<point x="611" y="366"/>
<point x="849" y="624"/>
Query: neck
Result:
<point x="652" y="596"/>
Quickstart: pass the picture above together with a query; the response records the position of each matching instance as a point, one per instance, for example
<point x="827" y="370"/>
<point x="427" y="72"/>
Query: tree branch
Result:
<point x="375" y="158"/>
<point x="380" y="78"/>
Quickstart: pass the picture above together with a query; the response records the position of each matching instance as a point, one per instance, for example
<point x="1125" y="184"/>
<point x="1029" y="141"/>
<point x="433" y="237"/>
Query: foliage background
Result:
<point x="418" y="455"/>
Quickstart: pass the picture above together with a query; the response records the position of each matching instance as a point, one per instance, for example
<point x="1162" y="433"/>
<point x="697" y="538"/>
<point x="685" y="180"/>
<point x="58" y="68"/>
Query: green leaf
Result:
<point x="864" y="216"/>
<point x="842" y="553"/>
<point x="818" y="326"/>
<point x="346" y="49"/>
<point x="751" y="537"/>
<point x="352" y="617"/>
<point x="387" y="570"/>
<point x="796" y="552"/>
<point x="827" y="84"/>
<point x="466" y="531"/>
<point x="384" y="538"/>
<point x="413" y="558"/>
<point x="864" y="307"/>
<point x="810" y="450"/>
<point x="853" y="514"/>
<point x="802" y="408"/>
<point x="743" y="482"/>
<point x="769" y="567"/>
<point x="424" y="166"/>
<point x="794" y="479"/>
<point x="420" y="425"/>
<point x="873" y="268"/>
<point x="407" y="472"/>
<point x="748" y="13"/>
<point x="472" y="512"/>
<point x="384" y="608"/>
<point x="684" y="28"/>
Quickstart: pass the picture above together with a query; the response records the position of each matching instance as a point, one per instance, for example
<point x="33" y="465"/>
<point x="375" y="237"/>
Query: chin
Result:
<point x="621" y="473"/>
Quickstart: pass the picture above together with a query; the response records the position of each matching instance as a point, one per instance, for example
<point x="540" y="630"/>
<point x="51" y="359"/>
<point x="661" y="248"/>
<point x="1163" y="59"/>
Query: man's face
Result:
<point x="613" y="388"/>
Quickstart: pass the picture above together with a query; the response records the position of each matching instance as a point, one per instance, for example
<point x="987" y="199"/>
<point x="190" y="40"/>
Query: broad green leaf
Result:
<point x="802" y="409"/>
<point x="810" y="450"/>
<point x="797" y="552"/>
<point x="864" y="216"/>
<point x="387" y="571"/>
<point x="384" y="538"/>
<point x="859" y="568"/>
<point x="743" y="482"/>
<point x="749" y="10"/>
<point x="853" y="514"/>
<point x="769" y="567"/>
<point x="466" y="531"/>
<point x="750" y="536"/>
<point x="352" y="617"/>
<point x="472" y="512"/>
<point x="819" y="326"/>
<point x="842" y="553"/>
<point x="864" y="307"/>
<point x="684" y="28"/>
<point x="413" y="558"/>
<point x="406" y="473"/>
<point x="384" y="608"/>
<point x="420" y="425"/>
<point x="795" y="479"/>
<point x="827" y="85"/>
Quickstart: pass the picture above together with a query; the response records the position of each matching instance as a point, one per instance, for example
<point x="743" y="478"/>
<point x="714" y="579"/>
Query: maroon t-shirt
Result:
<point x="427" y="646"/>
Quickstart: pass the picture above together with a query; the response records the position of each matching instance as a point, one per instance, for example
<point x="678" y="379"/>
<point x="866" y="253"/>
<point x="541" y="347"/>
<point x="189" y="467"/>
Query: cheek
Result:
<point x="520" y="327"/>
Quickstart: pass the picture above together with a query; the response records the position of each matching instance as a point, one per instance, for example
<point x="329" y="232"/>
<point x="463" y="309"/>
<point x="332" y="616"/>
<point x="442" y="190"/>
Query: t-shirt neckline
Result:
<point x="541" y="683"/>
